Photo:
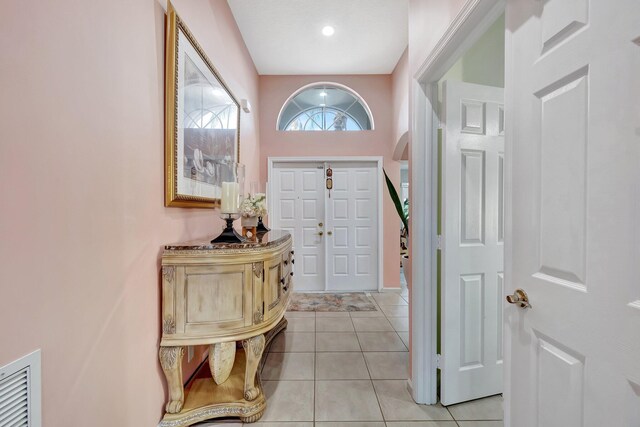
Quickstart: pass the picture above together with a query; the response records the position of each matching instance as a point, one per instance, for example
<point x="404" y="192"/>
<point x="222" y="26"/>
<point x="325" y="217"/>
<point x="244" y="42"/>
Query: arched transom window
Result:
<point x="325" y="107"/>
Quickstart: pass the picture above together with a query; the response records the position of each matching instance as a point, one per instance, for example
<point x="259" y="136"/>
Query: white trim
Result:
<point x="378" y="160"/>
<point x="339" y="85"/>
<point x="474" y="18"/>
<point x="508" y="197"/>
<point x="400" y="146"/>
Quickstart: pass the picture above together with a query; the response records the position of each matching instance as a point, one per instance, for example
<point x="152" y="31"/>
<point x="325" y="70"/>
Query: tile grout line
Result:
<point x="452" y="417"/>
<point x="375" y="393"/>
<point x="315" y="362"/>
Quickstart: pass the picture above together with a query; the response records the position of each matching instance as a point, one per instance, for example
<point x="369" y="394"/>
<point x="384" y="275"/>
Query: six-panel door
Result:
<point x="573" y="133"/>
<point x="473" y="235"/>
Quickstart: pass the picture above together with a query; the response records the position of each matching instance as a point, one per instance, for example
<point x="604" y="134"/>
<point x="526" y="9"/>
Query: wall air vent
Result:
<point x="20" y="394"/>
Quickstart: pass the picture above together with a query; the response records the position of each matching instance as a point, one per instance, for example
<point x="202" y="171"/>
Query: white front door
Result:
<point x="573" y="240"/>
<point x="352" y="221"/>
<point x="473" y="245"/>
<point x="335" y="232"/>
<point x="299" y="208"/>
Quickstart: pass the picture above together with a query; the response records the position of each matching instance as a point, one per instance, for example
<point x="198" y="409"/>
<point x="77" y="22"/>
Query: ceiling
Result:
<point x="285" y="36"/>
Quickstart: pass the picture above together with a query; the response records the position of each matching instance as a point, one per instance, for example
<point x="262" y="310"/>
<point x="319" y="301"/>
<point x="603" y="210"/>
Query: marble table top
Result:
<point x="271" y="238"/>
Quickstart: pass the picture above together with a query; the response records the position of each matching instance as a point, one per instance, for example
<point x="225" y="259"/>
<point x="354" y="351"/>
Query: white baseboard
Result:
<point x="391" y="289"/>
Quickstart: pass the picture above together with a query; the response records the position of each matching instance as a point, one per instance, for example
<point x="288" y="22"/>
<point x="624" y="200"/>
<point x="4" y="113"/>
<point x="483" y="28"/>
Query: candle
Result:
<point x="229" y="203"/>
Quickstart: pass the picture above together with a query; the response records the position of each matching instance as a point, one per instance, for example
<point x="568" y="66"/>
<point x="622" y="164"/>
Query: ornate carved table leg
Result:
<point x="253" y="348"/>
<point x="171" y="362"/>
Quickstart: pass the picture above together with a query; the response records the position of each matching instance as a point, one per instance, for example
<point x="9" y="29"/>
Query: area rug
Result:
<point x="356" y="301"/>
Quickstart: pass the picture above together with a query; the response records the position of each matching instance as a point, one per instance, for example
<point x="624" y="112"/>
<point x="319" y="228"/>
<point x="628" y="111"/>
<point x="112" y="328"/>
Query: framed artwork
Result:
<point x="202" y="123"/>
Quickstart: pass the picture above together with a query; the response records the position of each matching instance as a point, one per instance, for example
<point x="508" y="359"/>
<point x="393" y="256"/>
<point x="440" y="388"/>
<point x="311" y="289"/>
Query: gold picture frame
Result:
<point x="202" y="122"/>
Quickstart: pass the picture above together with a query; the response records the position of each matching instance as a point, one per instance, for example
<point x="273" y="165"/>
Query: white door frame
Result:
<point x="475" y="17"/>
<point x="378" y="160"/>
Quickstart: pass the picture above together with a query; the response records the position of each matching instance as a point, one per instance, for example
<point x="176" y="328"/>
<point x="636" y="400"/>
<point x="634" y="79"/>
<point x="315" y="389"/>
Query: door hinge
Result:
<point x="439" y="242"/>
<point x="438" y="361"/>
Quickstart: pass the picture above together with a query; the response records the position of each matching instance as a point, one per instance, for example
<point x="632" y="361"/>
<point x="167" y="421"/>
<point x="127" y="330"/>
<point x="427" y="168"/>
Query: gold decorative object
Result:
<point x="329" y="173"/>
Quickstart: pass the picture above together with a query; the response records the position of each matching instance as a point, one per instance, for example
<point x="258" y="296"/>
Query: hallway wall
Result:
<point x="82" y="179"/>
<point x="376" y="91"/>
<point x="482" y="63"/>
<point x="400" y="91"/>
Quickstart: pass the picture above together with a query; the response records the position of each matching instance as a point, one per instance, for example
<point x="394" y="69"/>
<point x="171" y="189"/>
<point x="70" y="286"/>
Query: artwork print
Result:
<point x="209" y="130"/>
<point x="202" y="123"/>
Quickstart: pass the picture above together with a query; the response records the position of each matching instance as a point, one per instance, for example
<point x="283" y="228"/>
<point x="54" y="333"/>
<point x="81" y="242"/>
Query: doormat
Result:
<point x="355" y="301"/>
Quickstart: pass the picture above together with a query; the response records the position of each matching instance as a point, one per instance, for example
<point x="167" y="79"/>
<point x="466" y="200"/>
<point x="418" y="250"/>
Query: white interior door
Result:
<point x="473" y="245"/>
<point x="335" y="233"/>
<point x="299" y="208"/>
<point x="352" y="221"/>
<point x="573" y="132"/>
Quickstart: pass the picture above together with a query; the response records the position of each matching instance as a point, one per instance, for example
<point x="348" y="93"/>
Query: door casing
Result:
<point x="378" y="160"/>
<point x="474" y="18"/>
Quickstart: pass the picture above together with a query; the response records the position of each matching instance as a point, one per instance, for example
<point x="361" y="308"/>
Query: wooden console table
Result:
<point x="218" y="295"/>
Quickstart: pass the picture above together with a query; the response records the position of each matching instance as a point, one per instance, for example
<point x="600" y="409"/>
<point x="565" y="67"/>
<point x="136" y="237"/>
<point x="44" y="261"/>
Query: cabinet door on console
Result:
<point x="214" y="298"/>
<point x="273" y="292"/>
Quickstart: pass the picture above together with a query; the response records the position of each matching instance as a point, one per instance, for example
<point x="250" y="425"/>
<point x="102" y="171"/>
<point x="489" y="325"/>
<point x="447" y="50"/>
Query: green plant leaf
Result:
<point x="396" y="201"/>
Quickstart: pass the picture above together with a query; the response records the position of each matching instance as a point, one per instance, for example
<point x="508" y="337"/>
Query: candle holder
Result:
<point x="229" y="234"/>
<point x="261" y="228"/>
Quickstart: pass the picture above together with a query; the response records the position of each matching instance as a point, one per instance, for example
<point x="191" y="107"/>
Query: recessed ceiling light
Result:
<point x="323" y="93"/>
<point x="328" y="31"/>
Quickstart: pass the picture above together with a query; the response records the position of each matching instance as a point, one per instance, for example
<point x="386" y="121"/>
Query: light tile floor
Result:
<point x="349" y="370"/>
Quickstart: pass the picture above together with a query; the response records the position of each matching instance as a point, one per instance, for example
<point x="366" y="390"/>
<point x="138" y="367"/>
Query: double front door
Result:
<point x="335" y="231"/>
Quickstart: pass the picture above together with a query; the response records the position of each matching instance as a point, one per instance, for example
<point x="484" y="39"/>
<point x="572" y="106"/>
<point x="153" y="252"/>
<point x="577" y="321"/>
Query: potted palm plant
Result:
<point x="402" y="208"/>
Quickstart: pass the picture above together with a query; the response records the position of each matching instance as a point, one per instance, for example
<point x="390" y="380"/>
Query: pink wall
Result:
<point x="81" y="179"/>
<point x="376" y="91"/>
<point x="400" y="92"/>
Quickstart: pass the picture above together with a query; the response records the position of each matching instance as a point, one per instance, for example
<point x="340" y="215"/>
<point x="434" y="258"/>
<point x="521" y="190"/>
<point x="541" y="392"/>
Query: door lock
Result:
<point x="320" y="224"/>
<point x="519" y="297"/>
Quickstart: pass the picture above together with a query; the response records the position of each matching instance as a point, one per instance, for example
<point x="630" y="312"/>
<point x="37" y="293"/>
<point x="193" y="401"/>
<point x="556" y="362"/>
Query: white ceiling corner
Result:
<point x="284" y="36"/>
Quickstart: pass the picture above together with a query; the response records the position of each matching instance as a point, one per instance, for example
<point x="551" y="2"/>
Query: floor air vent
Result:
<point x="20" y="392"/>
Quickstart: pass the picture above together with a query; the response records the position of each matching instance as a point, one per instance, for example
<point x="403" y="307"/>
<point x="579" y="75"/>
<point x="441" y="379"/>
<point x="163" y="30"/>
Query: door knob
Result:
<point x="320" y="224"/>
<point x="519" y="297"/>
<point x="330" y="233"/>
<point x="320" y="233"/>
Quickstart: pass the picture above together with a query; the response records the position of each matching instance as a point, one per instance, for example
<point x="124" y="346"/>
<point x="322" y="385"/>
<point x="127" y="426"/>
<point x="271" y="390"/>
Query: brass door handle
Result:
<point x="519" y="297"/>
<point x="320" y="233"/>
<point x="330" y="233"/>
